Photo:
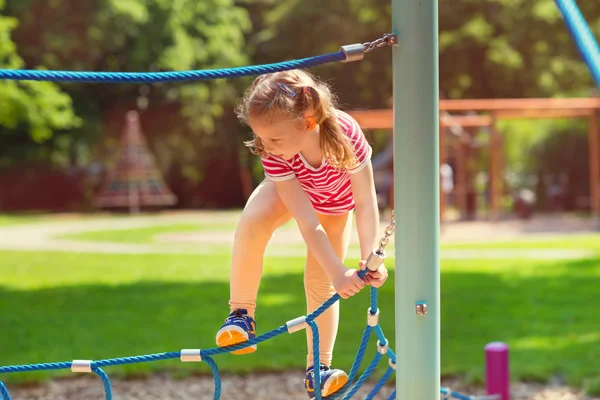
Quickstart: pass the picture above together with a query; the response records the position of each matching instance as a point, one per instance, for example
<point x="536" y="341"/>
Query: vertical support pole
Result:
<point x="497" y="370"/>
<point x="594" y="168"/>
<point x="417" y="196"/>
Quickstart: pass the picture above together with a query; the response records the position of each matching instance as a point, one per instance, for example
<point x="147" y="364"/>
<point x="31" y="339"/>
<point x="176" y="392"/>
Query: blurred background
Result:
<point x="119" y="201"/>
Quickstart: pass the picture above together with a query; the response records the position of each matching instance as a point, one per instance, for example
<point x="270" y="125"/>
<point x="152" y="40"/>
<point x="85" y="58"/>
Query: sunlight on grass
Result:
<point x="80" y="302"/>
<point x="555" y="342"/>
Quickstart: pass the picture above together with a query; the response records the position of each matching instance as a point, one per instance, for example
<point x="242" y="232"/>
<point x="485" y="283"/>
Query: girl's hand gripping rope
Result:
<point x="374" y="278"/>
<point x="348" y="283"/>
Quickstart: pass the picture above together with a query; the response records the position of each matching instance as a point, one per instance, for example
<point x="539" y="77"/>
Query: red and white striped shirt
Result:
<point x="329" y="190"/>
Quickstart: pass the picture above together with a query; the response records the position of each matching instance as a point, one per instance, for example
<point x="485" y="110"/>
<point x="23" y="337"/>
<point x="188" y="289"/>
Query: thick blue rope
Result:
<point x="363" y="377"/>
<point x="170" y="76"/>
<point x="3" y="392"/>
<point x="105" y="381"/>
<point x="316" y="359"/>
<point x="587" y="45"/>
<point x="216" y="376"/>
<point x="379" y="385"/>
<point x="206" y="357"/>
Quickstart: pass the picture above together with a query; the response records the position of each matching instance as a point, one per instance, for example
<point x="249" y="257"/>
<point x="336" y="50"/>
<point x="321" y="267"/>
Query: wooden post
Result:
<point x="460" y="189"/>
<point x="494" y="175"/>
<point x="594" y="168"/>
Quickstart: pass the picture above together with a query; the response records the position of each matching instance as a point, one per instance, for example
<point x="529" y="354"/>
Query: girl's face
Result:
<point x="282" y="137"/>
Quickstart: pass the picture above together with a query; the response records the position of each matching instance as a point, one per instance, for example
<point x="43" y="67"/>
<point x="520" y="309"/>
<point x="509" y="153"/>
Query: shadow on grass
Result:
<point x="550" y="320"/>
<point x="99" y="322"/>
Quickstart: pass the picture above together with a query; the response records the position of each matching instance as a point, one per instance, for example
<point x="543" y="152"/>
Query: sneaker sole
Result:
<point x="230" y="337"/>
<point x="334" y="383"/>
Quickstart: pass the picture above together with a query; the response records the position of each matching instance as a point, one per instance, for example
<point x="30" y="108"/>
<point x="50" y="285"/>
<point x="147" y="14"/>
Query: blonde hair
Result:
<point x="267" y="97"/>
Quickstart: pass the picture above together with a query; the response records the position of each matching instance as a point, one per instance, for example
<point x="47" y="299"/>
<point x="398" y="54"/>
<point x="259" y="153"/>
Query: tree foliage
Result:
<point x="488" y="49"/>
<point x="29" y="111"/>
<point x="138" y="35"/>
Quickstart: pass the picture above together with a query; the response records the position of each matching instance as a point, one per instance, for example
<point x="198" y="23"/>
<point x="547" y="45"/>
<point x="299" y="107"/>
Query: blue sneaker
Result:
<point x="332" y="380"/>
<point x="238" y="328"/>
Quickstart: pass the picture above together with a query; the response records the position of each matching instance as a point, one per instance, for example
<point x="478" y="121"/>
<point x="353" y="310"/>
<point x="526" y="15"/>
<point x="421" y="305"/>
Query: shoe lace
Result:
<point x="236" y="314"/>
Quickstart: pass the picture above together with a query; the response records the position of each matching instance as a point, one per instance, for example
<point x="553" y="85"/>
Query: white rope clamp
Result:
<point x="83" y="366"/>
<point x="372" y="319"/>
<point x="392" y="364"/>
<point x="383" y="348"/>
<point x="190" y="355"/>
<point x="297" y="324"/>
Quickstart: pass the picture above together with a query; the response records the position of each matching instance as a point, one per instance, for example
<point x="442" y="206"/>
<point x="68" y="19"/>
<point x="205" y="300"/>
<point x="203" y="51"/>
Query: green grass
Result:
<point x="62" y="306"/>
<point x="148" y="234"/>
<point x="579" y="241"/>
<point x="10" y="219"/>
<point x="143" y="235"/>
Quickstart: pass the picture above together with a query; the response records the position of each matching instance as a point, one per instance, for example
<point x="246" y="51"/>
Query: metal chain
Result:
<point x="389" y="231"/>
<point x="387" y="40"/>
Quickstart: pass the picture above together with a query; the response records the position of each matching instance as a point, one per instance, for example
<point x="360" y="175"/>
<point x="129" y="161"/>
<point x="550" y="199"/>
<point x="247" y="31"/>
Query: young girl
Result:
<point x="317" y="164"/>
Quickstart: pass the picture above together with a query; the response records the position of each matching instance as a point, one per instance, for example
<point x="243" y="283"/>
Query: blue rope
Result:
<point x="3" y="392"/>
<point x="374" y="300"/>
<point x="355" y="364"/>
<point x="170" y="76"/>
<point x="379" y="385"/>
<point x="456" y="395"/>
<point x="584" y="39"/>
<point x="35" y="367"/>
<point x="206" y="357"/>
<point x="316" y="359"/>
<point x="392" y="395"/>
<point x="105" y="382"/>
<point x="363" y="377"/>
<point x="216" y="376"/>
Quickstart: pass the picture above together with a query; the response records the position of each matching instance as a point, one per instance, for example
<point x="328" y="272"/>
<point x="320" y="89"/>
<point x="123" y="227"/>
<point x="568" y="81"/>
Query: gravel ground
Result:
<point x="287" y="385"/>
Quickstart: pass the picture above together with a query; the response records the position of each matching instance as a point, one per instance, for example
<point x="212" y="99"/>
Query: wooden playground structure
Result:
<point x="484" y="114"/>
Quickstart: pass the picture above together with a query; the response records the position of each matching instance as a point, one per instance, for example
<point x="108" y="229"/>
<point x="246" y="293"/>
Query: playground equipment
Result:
<point x="135" y="181"/>
<point x="416" y="172"/>
<point x="485" y="114"/>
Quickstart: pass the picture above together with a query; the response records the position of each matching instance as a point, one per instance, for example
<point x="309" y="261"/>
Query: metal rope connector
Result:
<point x="375" y="259"/>
<point x="357" y="51"/>
<point x="84" y="366"/>
<point x="353" y="52"/>
<point x="190" y="355"/>
<point x="383" y="348"/>
<point x="372" y="319"/>
<point x="296" y="324"/>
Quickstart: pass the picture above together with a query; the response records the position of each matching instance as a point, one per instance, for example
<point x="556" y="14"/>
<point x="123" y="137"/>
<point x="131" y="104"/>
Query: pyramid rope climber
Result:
<point x="135" y="180"/>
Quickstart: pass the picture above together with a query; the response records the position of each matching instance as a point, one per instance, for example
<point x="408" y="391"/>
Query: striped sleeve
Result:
<point x="277" y="169"/>
<point x="362" y="147"/>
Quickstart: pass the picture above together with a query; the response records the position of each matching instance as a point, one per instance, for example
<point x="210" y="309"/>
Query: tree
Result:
<point x="139" y="35"/>
<point x="29" y="111"/>
<point x="511" y="48"/>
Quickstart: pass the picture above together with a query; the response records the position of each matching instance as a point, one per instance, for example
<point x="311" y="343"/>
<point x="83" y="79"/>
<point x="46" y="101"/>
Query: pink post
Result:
<point x="497" y="370"/>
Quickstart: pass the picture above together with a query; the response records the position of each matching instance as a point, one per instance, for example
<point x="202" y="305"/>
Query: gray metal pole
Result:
<point x="417" y="198"/>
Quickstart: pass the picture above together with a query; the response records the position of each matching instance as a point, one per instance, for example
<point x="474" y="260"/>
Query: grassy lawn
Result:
<point x="9" y="219"/>
<point x="143" y="235"/>
<point x="148" y="235"/>
<point x="62" y="306"/>
<point x="583" y="242"/>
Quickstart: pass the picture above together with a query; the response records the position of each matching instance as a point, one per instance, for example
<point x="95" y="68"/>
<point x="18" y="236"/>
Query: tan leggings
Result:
<point x="263" y="214"/>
